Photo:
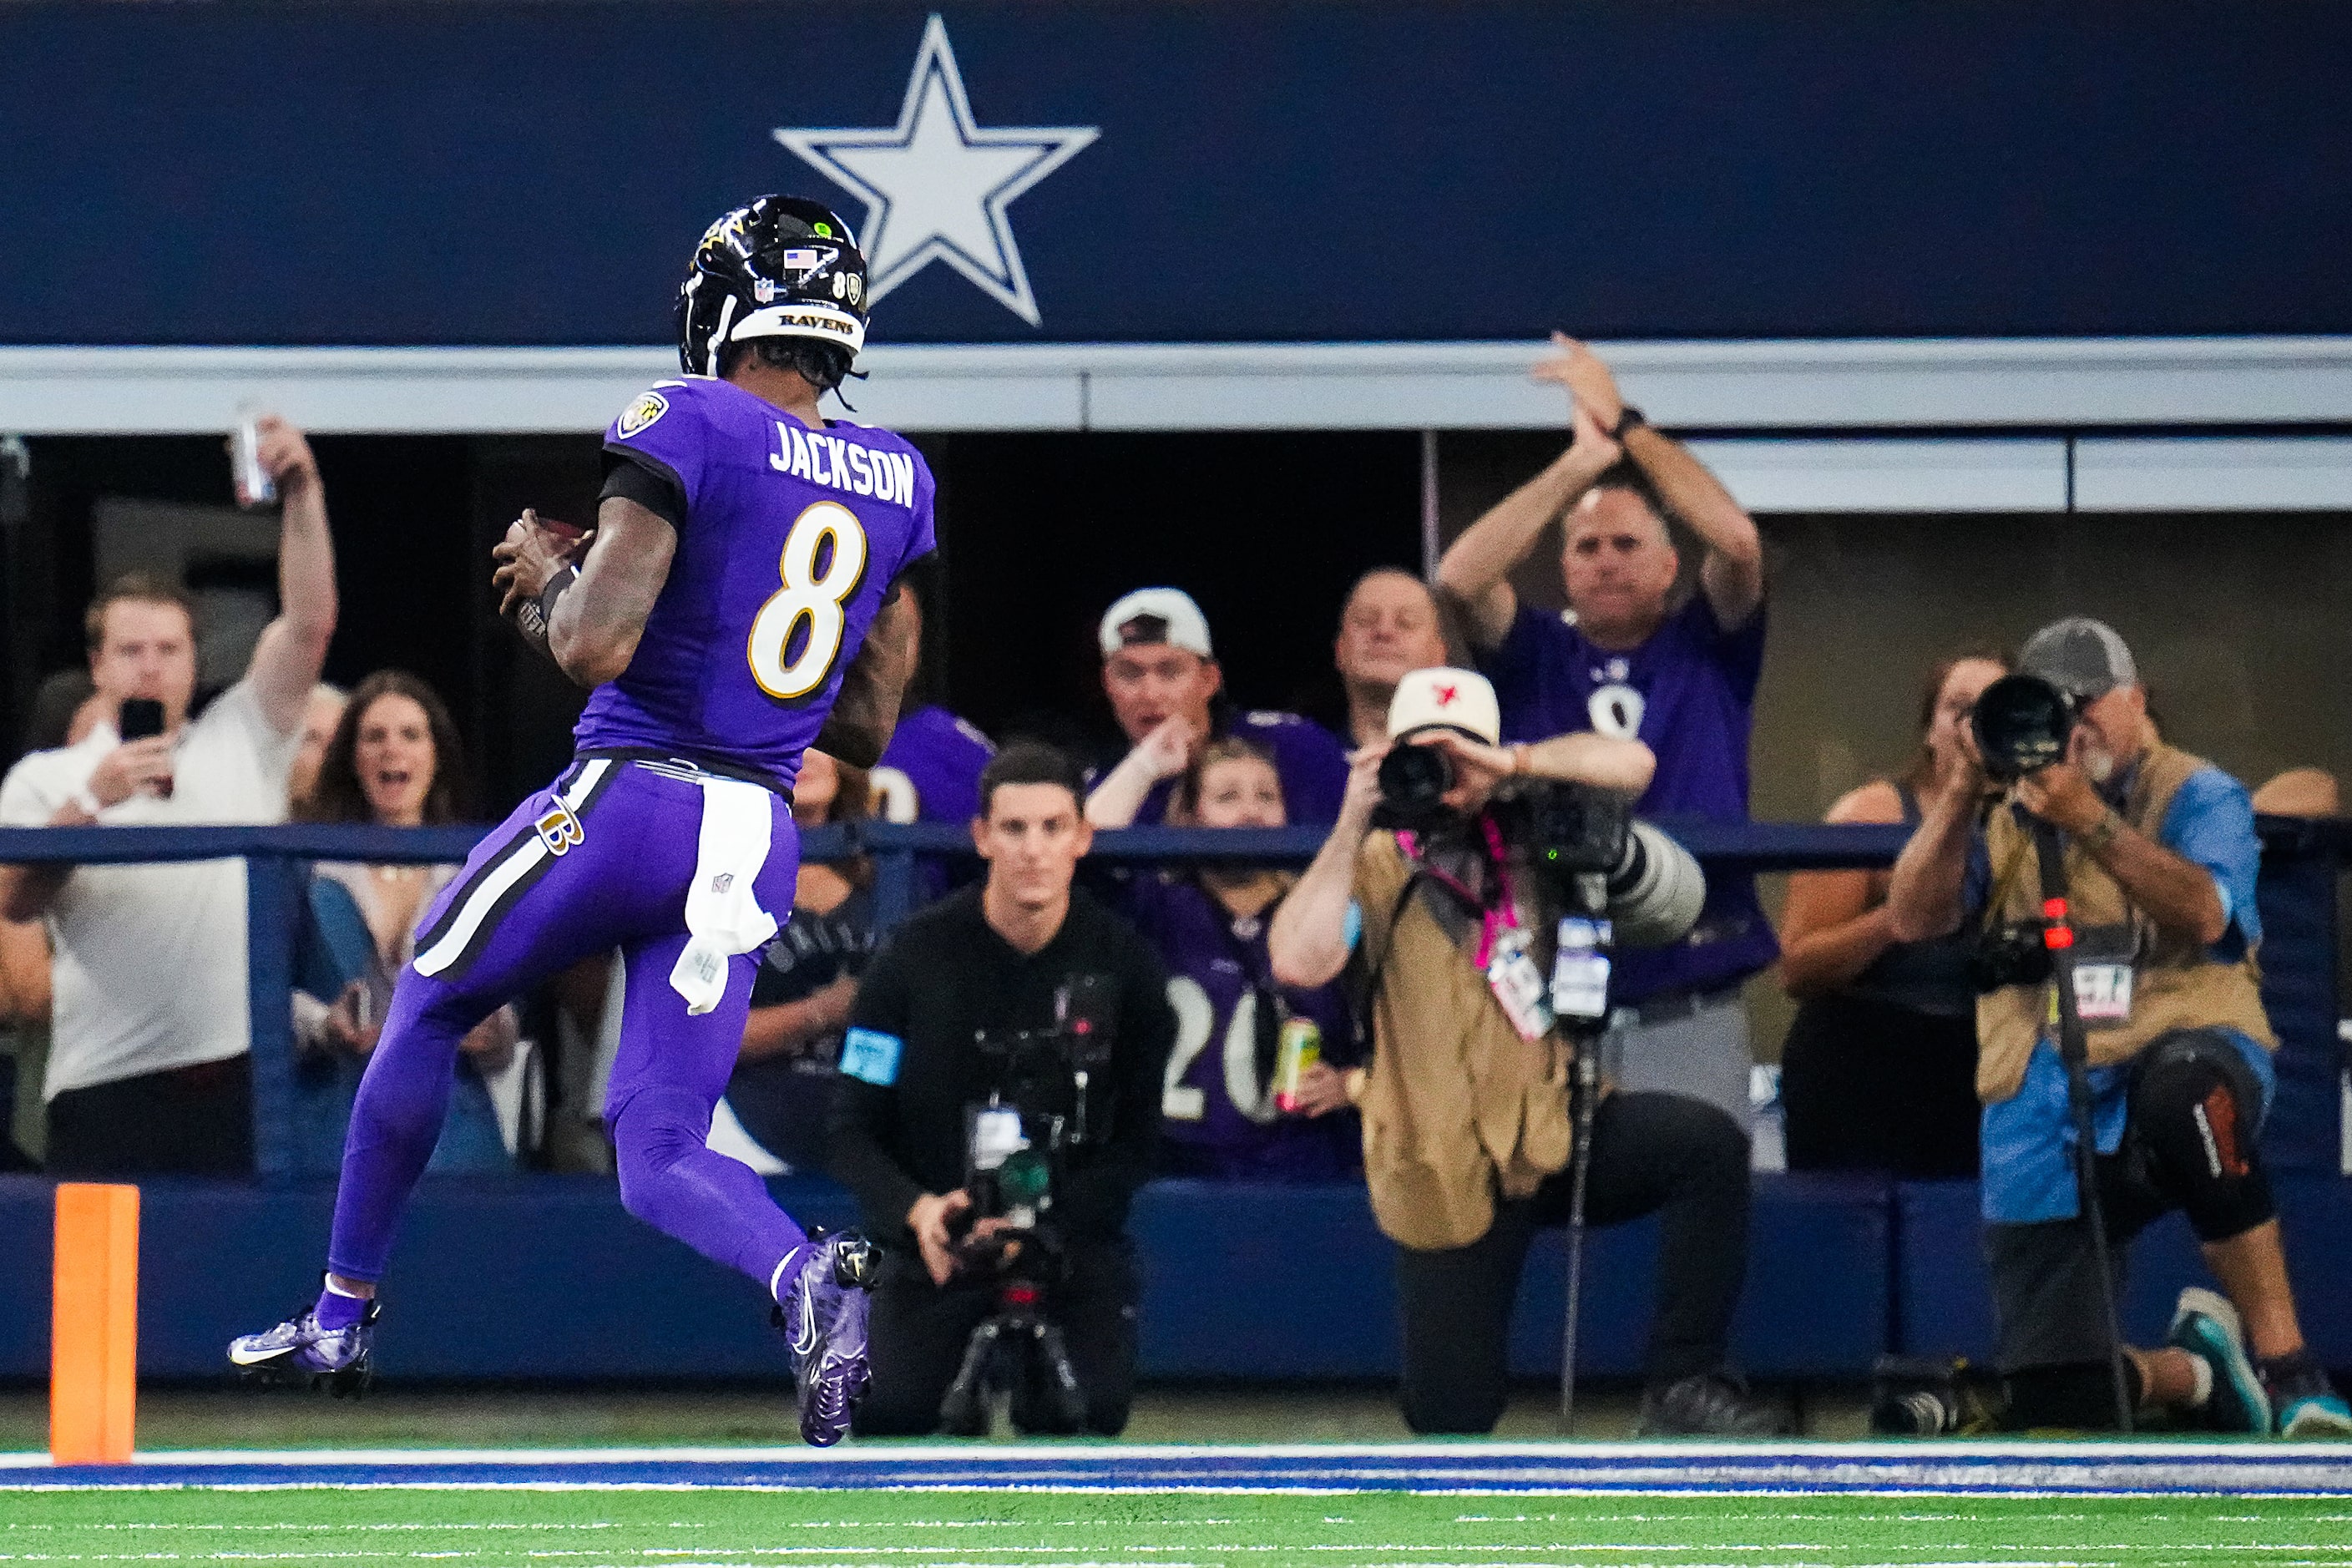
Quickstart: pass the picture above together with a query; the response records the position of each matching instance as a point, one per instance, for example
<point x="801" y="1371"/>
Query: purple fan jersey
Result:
<point x="940" y="757"/>
<point x="1688" y="693"/>
<point x="792" y="540"/>
<point x="1217" y="1113"/>
<point x="1308" y="758"/>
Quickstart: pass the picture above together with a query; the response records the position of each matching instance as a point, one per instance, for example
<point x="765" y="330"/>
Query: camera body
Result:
<point x="1045" y="1103"/>
<point x="2014" y="954"/>
<point x="1042" y="1108"/>
<point x="2022" y="724"/>
<point x="1580" y="843"/>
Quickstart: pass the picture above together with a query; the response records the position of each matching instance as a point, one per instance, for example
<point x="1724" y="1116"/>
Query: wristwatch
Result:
<point x="1627" y="417"/>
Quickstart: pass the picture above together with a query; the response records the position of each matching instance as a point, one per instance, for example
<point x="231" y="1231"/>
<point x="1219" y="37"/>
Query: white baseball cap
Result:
<point x="1156" y="617"/>
<point x="1442" y="698"/>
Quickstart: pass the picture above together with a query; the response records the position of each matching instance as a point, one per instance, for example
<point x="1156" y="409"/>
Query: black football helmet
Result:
<point x="778" y="267"/>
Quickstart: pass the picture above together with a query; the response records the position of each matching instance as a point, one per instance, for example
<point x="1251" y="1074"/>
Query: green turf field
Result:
<point x="538" y="1528"/>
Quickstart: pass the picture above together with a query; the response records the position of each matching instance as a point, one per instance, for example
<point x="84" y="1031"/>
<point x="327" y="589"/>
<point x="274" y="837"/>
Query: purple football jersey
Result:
<point x="792" y="540"/>
<point x="1308" y="758"/>
<point x="1688" y="693"/>
<point x="1217" y="1114"/>
<point x="941" y="756"/>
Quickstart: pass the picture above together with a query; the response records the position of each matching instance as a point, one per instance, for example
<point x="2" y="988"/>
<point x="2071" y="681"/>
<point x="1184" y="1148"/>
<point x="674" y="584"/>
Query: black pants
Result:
<point x="184" y="1121"/>
<point x="919" y="1332"/>
<point x="1868" y="1086"/>
<point x="2190" y="1126"/>
<point x="1682" y="1159"/>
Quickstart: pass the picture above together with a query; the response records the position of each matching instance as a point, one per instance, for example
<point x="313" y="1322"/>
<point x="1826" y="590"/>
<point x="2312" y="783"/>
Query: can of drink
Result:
<point x="1301" y="1047"/>
<point x="254" y="485"/>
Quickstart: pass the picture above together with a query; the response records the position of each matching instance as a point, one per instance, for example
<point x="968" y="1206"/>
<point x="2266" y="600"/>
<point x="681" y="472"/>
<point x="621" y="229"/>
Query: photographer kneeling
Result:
<point x="999" y="1104"/>
<point x="2158" y="856"/>
<point x="1468" y="1125"/>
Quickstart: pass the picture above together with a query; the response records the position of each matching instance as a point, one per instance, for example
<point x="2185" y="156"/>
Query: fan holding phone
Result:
<point x="148" y="1067"/>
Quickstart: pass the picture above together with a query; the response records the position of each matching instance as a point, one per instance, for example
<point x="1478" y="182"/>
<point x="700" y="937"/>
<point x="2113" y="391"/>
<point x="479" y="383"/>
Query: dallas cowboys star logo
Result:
<point x="936" y="185"/>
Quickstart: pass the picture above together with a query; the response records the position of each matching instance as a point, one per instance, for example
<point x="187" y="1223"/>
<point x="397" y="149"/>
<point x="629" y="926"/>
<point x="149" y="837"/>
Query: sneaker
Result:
<point x="2207" y="1326"/>
<point x="1712" y="1405"/>
<point x="299" y="1351"/>
<point x="823" y="1315"/>
<point x="2307" y="1402"/>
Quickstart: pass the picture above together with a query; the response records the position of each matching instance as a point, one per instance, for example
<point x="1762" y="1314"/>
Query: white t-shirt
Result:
<point x="150" y="968"/>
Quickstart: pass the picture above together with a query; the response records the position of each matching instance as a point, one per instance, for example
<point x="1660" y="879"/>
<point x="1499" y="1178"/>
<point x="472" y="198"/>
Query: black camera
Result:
<point x="2022" y="724"/>
<point x="1048" y="1102"/>
<point x="2007" y="955"/>
<point x="1414" y="781"/>
<point x="1583" y="844"/>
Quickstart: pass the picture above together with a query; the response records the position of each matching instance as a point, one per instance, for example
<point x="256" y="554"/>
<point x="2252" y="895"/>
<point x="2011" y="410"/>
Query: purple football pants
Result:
<point x="599" y="860"/>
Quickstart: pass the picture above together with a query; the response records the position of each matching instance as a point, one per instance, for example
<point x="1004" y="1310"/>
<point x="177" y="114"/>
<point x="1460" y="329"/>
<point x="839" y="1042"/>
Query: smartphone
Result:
<point x="255" y="488"/>
<point x="141" y="717"/>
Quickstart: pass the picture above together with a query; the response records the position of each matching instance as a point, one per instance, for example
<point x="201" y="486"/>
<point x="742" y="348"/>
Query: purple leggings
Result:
<point x="601" y="858"/>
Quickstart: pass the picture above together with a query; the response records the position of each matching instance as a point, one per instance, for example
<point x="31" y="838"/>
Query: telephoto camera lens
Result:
<point x="1414" y="781"/>
<point x="2022" y="725"/>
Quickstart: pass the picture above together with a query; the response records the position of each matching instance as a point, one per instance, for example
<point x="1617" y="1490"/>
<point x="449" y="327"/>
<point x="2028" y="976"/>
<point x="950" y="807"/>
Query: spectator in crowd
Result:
<point x="61" y="695"/>
<point x="320" y="717"/>
<point x="1219" y="1115"/>
<point x="930" y="770"/>
<point x="1023" y="951"/>
<point x="1389" y="625"/>
<point x="148" y="1066"/>
<point x="1164" y="684"/>
<point x="1627" y="661"/>
<point x="2300" y="792"/>
<point x="1469" y="1131"/>
<point x="2161" y="860"/>
<point x="393" y="759"/>
<point x="1879" y="1070"/>
<point x="782" y="1087"/>
<point x="24" y="1038"/>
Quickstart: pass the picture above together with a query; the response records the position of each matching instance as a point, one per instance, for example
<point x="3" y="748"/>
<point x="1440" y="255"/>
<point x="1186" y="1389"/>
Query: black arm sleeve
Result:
<point x="632" y="477"/>
<point x="863" y="1118"/>
<point x="1096" y="1197"/>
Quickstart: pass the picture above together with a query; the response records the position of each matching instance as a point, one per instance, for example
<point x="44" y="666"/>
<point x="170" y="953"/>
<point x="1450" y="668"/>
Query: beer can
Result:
<point x="254" y="485"/>
<point x="1301" y="1047"/>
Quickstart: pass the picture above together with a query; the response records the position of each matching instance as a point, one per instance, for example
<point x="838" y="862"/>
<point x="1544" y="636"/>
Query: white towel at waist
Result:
<point x="723" y="916"/>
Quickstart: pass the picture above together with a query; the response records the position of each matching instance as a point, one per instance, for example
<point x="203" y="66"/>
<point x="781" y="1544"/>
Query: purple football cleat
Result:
<point x="299" y="1351"/>
<point x="823" y="1315"/>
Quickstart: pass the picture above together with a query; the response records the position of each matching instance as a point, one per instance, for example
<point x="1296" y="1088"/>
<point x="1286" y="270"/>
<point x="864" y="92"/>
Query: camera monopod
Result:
<point x="1585" y="1024"/>
<point x="2074" y="1052"/>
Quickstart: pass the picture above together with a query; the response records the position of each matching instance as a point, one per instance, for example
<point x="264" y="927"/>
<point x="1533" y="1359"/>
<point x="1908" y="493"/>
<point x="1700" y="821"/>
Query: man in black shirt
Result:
<point x="1010" y="954"/>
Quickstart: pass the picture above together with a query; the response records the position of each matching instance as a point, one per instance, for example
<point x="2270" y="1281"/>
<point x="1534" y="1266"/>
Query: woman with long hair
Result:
<point x="394" y="760"/>
<point x="1878" y="1072"/>
<point x="1219" y="1115"/>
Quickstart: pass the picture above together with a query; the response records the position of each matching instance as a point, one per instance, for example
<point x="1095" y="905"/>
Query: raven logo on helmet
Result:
<point x="779" y="267"/>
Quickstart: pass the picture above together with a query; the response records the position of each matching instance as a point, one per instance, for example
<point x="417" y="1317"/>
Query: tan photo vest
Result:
<point x="2176" y="984"/>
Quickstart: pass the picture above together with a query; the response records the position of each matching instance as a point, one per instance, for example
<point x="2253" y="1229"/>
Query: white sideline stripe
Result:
<point x="2121" y="1450"/>
<point x="485" y="899"/>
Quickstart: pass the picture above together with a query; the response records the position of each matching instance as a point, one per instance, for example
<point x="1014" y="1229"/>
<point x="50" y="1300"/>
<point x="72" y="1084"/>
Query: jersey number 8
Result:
<point x="808" y="598"/>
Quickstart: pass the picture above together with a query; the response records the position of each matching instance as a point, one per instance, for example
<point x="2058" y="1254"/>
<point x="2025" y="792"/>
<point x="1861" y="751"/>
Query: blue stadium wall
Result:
<point x="532" y="174"/>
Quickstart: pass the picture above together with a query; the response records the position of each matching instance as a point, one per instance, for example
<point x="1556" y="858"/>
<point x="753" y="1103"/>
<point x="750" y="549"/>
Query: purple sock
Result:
<point x="336" y="1311"/>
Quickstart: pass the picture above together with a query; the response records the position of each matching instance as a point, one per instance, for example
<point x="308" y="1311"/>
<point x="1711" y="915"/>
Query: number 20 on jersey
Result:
<point x="808" y="597"/>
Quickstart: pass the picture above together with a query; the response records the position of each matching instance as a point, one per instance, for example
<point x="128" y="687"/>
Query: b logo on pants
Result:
<point x="559" y="829"/>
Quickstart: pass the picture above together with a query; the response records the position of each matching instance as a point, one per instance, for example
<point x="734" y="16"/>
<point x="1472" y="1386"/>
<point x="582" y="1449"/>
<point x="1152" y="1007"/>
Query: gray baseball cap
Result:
<point x="2081" y="656"/>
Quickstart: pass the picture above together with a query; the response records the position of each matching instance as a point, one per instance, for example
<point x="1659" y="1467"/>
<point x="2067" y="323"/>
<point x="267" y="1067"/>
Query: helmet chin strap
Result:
<point x="718" y="339"/>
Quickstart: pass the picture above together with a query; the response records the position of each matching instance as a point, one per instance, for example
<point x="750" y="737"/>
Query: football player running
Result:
<point x="737" y="602"/>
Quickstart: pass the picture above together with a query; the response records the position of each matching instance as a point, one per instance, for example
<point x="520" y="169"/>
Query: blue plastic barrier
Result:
<point x="1241" y="1282"/>
<point x="1258" y="1282"/>
<point x="1944" y="1295"/>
